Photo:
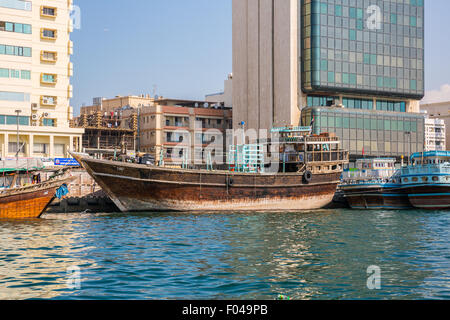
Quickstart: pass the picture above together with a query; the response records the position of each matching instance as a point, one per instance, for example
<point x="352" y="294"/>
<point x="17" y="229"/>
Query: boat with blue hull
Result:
<point x="374" y="184"/>
<point x="427" y="180"/>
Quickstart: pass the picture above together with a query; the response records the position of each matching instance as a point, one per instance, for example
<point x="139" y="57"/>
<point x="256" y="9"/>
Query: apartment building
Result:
<point x="355" y="67"/>
<point x="184" y="133"/>
<point x="435" y="135"/>
<point x="35" y="71"/>
<point x="180" y="130"/>
<point x="439" y="111"/>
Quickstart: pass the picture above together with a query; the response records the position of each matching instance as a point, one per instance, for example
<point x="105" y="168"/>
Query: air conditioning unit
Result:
<point x="34" y="124"/>
<point x="34" y="106"/>
<point x="46" y="114"/>
<point x="35" y="117"/>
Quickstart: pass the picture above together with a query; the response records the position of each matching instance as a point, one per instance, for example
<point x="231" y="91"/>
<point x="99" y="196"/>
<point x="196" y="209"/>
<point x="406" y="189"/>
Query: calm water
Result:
<point x="314" y="255"/>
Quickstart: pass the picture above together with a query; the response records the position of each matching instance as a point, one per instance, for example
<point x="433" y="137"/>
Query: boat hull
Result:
<point x="149" y="188"/>
<point x="430" y="197"/>
<point x="29" y="202"/>
<point x="376" y="196"/>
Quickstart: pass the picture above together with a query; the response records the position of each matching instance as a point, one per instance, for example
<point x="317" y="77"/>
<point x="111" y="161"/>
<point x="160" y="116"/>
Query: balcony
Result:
<point x="49" y="34"/>
<point x="49" y="56"/>
<point x="49" y="78"/>
<point x="48" y="101"/>
<point x="49" y="12"/>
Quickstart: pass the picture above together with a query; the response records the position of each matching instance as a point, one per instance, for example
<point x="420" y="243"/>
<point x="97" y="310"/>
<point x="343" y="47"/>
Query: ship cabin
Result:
<point x="376" y="170"/>
<point x="300" y="151"/>
<point x="16" y="173"/>
<point x="431" y="167"/>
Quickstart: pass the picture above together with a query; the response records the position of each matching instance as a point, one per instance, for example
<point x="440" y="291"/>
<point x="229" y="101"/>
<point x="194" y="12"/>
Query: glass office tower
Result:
<point x="368" y="56"/>
<point x="378" y="134"/>
<point x="372" y="47"/>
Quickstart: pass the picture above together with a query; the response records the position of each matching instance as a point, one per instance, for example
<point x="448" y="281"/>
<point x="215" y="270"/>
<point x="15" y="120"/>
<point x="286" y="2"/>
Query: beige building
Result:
<point x="184" y="132"/>
<point x="279" y="68"/>
<point x="35" y="71"/>
<point x="178" y="128"/>
<point x="439" y="110"/>
<point x="110" y="105"/>
<point x="435" y="135"/>
<point x="225" y="98"/>
<point x="265" y="63"/>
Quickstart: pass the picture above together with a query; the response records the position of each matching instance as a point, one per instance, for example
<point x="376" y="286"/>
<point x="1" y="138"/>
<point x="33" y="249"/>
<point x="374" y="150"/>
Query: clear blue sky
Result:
<point x="185" y="47"/>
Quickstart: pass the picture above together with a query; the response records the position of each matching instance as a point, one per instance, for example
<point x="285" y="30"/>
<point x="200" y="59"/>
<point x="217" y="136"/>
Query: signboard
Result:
<point x="66" y="162"/>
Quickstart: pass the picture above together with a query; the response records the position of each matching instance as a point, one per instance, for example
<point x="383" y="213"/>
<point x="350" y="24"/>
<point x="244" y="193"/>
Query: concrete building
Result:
<point x="184" y="131"/>
<point x="108" y="134"/>
<point x="110" y="105"/>
<point x="295" y="59"/>
<point x="435" y="135"/>
<point x="178" y="127"/>
<point x="35" y="71"/>
<point x="225" y="98"/>
<point x="439" y="110"/>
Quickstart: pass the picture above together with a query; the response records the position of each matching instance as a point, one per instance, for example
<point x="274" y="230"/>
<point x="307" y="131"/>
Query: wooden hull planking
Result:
<point x="142" y="188"/>
<point x="376" y="197"/>
<point x="29" y="202"/>
<point x="429" y="197"/>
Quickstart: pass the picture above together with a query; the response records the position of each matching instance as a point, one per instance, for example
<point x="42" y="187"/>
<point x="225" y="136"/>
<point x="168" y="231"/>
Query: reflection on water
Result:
<point x="312" y="255"/>
<point x="34" y="257"/>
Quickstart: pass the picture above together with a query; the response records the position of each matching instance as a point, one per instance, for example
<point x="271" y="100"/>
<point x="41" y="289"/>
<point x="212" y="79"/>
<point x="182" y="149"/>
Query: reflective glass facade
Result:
<point x="372" y="47"/>
<point x="376" y="132"/>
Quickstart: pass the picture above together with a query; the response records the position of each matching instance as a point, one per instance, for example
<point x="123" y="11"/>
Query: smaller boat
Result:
<point x="427" y="180"/>
<point x="374" y="184"/>
<point x="24" y="196"/>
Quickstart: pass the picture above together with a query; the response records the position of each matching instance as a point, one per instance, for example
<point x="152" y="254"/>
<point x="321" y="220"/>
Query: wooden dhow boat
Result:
<point x="427" y="180"/>
<point x="374" y="184"/>
<point x="32" y="199"/>
<point x="309" y="172"/>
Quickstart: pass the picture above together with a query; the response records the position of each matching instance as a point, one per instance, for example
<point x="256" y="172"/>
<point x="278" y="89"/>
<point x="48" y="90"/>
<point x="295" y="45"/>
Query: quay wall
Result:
<point x="84" y="195"/>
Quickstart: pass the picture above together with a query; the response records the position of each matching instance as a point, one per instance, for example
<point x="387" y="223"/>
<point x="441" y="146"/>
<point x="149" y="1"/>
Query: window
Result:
<point x="14" y="96"/>
<point x="12" y="120"/>
<point x="48" y="100"/>
<point x="10" y="73"/>
<point x="60" y="149"/>
<point x="396" y="106"/>
<point x="16" y="4"/>
<point x="48" y="122"/>
<point x="48" y="78"/>
<point x="15" y="74"/>
<point x="12" y="147"/>
<point x="49" y="56"/>
<point x="24" y="74"/>
<point x="41" y="148"/>
<point x="15" y="27"/>
<point x="4" y="73"/>
<point x="48" y="11"/>
<point x="48" y="34"/>
<point x="15" y="51"/>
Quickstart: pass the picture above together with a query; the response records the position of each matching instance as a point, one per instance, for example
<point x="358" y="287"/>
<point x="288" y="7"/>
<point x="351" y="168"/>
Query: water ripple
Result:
<point x="313" y="255"/>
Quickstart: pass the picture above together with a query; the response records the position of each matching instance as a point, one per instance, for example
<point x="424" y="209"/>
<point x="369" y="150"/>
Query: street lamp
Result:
<point x="18" y="112"/>
<point x="408" y="133"/>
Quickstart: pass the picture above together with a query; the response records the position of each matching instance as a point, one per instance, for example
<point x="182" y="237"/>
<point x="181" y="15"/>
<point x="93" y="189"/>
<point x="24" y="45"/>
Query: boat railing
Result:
<point x="314" y="156"/>
<point x="327" y="156"/>
<point x="426" y="169"/>
<point x="369" y="174"/>
<point x="322" y="139"/>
